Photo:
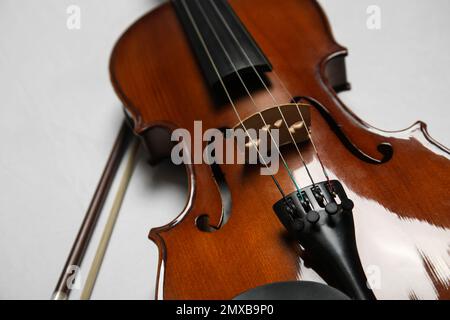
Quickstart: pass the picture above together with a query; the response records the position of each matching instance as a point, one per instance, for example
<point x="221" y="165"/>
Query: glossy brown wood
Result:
<point x="401" y="205"/>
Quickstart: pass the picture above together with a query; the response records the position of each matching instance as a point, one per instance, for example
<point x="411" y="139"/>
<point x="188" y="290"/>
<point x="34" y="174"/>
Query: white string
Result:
<point x="194" y="24"/>
<point x="250" y="96"/>
<point x="273" y="98"/>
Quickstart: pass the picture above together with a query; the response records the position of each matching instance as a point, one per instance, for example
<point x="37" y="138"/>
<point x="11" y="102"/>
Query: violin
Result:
<point x="366" y="209"/>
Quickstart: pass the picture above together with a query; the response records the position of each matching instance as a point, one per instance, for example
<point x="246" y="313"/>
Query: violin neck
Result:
<point x="221" y="43"/>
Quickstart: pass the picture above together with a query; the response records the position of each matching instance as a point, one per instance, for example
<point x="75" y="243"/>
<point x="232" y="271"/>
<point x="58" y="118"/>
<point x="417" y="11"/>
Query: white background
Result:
<point x="59" y="117"/>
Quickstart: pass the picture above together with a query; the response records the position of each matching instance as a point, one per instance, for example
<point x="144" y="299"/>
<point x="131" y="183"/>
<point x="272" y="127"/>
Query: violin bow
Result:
<point x="107" y="231"/>
<point x="77" y="253"/>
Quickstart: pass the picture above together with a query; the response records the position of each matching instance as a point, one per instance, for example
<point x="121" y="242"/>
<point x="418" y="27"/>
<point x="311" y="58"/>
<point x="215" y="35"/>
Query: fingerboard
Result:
<point x="229" y="46"/>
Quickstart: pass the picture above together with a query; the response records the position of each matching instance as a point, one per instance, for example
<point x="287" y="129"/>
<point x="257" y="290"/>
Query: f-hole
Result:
<point x="202" y="221"/>
<point x="385" y="148"/>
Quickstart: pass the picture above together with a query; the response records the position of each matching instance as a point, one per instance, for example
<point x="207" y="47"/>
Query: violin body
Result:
<point x="399" y="181"/>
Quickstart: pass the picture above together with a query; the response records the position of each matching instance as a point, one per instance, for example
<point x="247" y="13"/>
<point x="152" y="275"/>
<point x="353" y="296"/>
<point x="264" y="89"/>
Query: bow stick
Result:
<point x="76" y="255"/>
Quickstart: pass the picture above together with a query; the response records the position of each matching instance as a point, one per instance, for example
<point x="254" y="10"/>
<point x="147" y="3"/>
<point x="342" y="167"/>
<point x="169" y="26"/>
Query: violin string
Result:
<point x="307" y="130"/>
<point x="194" y="24"/>
<point x="250" y="96"/>
<point x="271" y="95"/>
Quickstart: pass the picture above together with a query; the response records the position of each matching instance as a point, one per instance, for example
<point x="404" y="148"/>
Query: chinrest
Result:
<point x="293" y="290"/>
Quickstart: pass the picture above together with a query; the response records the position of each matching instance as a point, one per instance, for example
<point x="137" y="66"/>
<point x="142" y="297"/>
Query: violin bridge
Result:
<point x="285" y="118"/>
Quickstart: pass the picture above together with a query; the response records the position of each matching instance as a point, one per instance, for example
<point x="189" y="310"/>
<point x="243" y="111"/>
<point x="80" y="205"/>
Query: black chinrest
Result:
<point x="293" y="290"/>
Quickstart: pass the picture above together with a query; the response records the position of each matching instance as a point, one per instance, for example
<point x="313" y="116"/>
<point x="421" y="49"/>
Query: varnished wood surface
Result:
<point x="401" y="205"/>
